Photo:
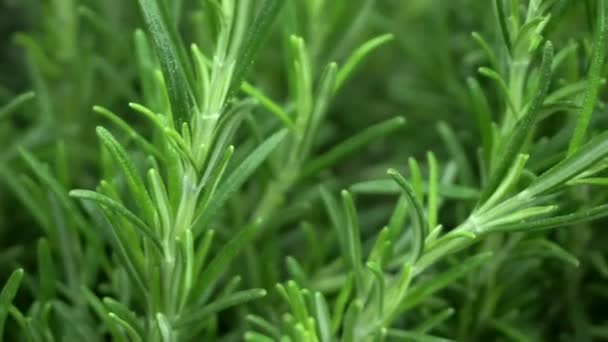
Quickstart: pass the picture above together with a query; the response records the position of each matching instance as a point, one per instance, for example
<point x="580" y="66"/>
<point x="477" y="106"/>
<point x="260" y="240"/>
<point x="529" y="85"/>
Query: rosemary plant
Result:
<point x="252" y="178"/>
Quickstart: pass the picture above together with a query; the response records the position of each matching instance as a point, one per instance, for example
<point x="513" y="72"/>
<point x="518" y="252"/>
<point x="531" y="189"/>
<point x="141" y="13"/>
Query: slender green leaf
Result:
<point x="414" y="336"/>
<point x="425" y="289"/>
<point x="340" y="305"/>
<point x="120" y="123"/>
<point x="118" y="208"/>
<point x="319" y="110"/>
<point x="270" y="105"/>
<point x="295" y="270"/>
<point x="15" y="104"/>
<point x="537" y="224"/>
<point x="482" y="117"/>
<point x="251" y="336"/>
<point x="486" y="49"/>
<point x="125" y="314"/>
<point x="358" y="56"/>
<point x="240" y="174"/>
<point x="173" y="59"/>
<point x="518" y="216"/>
<point x="380" y="284"/>
<point x="102" y="312"/>
<point x="129" y="255"/>
<point x="197" y="315"/>
<point x="511" y="332"/>
<point x="548" y="248"/>
<point x="352" y="238"/>
<point x="585" y="157"/>
<point x="9" y="290"/>
<point x="420" y="226"/>
<point x="134" y="180"/>
<point x="351" y="318"/>
<point x="418" y="184"/>
<point x="595" y="76"/>
<point x="523" y="127"/>
<point x="351" y="145"/>
<point x="323" y="317"/>
<point x="496" y="77"/>
<point x="389" y="187"/>
<point x="453" y="144"/>
<point x="164" y="327"/>
<point x="264" y="325"/>
<point x="256" y="35"/>
<point x="46" y="271"/>
<point x="433" y="197"/>
<point x="51" y="183"/>
<point x="434" y="320"/>
<point x="502" y="21"/>
<point x="134" y="336"/>
<point x="335" y="215"/>
<point x="507" y="184"/>
<point x="220" y="263"/>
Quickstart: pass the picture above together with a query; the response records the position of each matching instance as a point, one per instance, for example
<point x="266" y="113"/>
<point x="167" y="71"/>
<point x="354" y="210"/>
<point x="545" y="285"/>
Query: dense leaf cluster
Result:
<point x="249" y="179"/>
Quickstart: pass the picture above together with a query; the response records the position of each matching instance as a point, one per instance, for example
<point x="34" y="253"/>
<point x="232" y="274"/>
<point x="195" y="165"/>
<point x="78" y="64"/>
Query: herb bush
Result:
<point x="303" y="170"/>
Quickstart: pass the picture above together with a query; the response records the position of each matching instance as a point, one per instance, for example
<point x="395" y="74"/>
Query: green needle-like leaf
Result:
<point x="351" y="145"/>
<point x="420" y="227"/>
<point x="118" y="208"/>
<point x="351" y="236"/>
<point x="257" y="33"/>
<point x="503" y="23"/>
<point x="481" y="108"/>
<point x="434" y="320"/>
<point x="124" y="314"/>
<point x="578" y="217"/>
<point x="15" y="103"/>
<point x="219" y="264"/>
<point x="323" y="317"/>
<point x="523" y="127"/>
<point x="433" y="197"/>
<point x="592" y="152"/>
<point x="173" y="59"/>
<point x="238" y="176"/>
<point x="402" y="335"/>
<point x="149" y="148"/>
<point x="595" y="76"/>
<point x="134" y="180"/>
<point x="197" y="314"/>
<point x="423" y="291"/>
<point x="133" y="335"/>
<point x="7" y="295"/>
<point x="358" y="56"/>
<point x="48" y="275"/>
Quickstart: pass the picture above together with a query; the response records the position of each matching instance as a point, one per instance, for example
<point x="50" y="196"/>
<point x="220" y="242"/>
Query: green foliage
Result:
<point x="252" y="177"/>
